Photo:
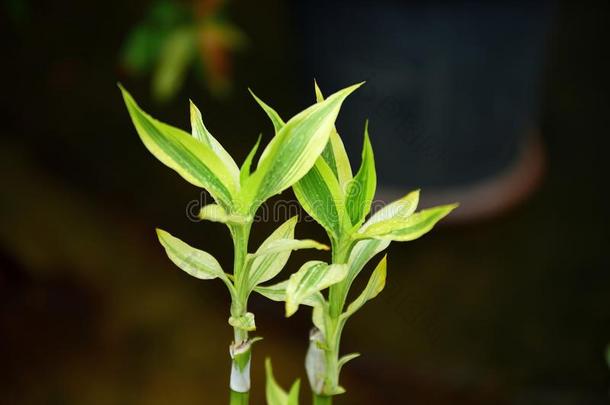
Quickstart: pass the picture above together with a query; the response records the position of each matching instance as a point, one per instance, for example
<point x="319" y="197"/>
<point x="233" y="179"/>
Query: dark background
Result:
<point x="509" y="310"/>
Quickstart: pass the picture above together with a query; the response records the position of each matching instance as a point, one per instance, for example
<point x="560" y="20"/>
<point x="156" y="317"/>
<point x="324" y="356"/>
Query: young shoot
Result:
<point x="238" y="192"/>
<point x="340" y="201"/>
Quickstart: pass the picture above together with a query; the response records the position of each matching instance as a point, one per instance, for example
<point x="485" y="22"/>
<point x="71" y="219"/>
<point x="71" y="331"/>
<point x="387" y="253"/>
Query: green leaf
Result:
<point x="244" y="322"/>
<point x="277" y="293"/>
<point x="215" y="213"/>
<point x="399" y="209"/>
<point x="200" y="132"/>
<point x="195" y="262"/>
<point x="275" y="394"/>
<point x="272" y="255"/>
<point x="177" y="52"/>
<point x="193" y="160"/>
<point x="283" y="245"/>
<point x="334" y="153"/>
<point x="361" y="189"/>
<point x="275" y="118"/>
<point x="361" y="254"/>
<point x="318" y="316"/>
<point x="312" y="277"/>
<point x="406" y="229"/>
<point x="373" y="288"/>
<point x="294" y="150"/>
<point x="244" y="172"/>
<point x="344" y="359"/>
<point x="320" y="195"/>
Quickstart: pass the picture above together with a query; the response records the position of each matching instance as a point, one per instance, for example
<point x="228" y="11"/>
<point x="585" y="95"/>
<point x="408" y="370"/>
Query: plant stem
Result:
<point x="239" y="398"/>
<point x="322" y="399"/>
<point x="241" y="352"/>
<point x="340" y="255"/>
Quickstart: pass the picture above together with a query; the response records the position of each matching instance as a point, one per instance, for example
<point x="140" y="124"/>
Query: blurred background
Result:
<point x="502" y="106"/>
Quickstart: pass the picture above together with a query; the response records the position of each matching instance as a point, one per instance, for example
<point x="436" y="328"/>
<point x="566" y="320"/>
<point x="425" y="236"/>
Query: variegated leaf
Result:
<point x="361" y="190"/>
<point x="401" y="209"/>
<point x="409" y="228"/>
<point x="320" y="195"/>
<point x="275" y="118"/>
<point x="361" y="254"/>
<point x="244" y="172"/>
<point x="334" y="153"/>
<point x="277" y="293"/>
<point x="195" y="262"/>
<point x="312" y="277"/>
<point x="193" y="160"/>
<point x="373" y="288"/>
<point x="264" y="267"/>
<point x="294" y="150"/>
<point x="200" y="132"/>
<point x="216" y="213"/>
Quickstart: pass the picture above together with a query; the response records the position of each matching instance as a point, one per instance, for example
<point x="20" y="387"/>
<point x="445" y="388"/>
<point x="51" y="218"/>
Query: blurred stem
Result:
<point x="239" y="398"/>
<point x="322" y="399"/>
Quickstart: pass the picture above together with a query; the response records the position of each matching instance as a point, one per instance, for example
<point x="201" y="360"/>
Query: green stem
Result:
<point x="340" y="255"/>
<point x="322" y="399"/>
<point x="239" y="306"/>
<point x="239" y="398"/>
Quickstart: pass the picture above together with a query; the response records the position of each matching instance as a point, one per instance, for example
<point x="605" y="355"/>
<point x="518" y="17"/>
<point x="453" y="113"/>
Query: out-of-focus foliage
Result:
<point x="175" y="37"/>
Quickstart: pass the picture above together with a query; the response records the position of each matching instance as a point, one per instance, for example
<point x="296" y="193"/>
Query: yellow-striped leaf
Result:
<point x="361" y="190"/>
<point x="312" y="277"/>
<point x="399" y="209"/>
<point x="193" y="160"/>
<point x="334" y="153"/>
<point x="294" y="150"/>
<point x="373" y="288"/>
<point x="277" y="293"/>
<point x="320" y="195"/>
<point x="200" y="132"/>
<point x="195" y="262"/>
<point x="406" y="229"/>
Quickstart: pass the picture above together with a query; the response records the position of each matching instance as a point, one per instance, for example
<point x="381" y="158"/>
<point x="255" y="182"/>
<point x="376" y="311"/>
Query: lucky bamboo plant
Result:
<point x="340" y="202"/>
<point x="201" y="160"/>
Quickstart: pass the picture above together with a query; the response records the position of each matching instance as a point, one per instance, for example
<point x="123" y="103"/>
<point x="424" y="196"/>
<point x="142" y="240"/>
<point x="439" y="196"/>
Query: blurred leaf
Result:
<point x="361" y="190"/>
<point x="193" y="160"/>
<point x="312" y="277"/>
<point x="275" y="394"/>
<point x="177" y="52"/>
<point x="142" y="48"/>
<point x="294" y="150"/>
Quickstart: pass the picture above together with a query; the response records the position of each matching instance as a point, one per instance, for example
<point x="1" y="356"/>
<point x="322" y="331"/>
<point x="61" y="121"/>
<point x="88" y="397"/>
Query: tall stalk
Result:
<point x="238" y="192"/>
<point x="340" y="202"/>
<point x="240" y="349"/>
